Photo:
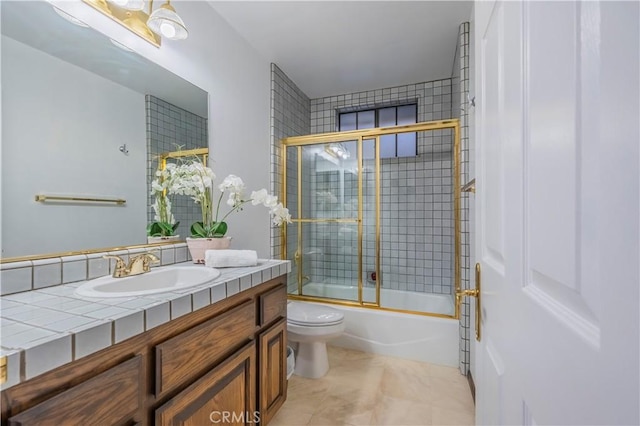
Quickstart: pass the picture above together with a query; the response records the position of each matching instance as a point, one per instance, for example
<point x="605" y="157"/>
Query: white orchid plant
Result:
<point x="194" y="179"/>
<point x="164" y="224"/>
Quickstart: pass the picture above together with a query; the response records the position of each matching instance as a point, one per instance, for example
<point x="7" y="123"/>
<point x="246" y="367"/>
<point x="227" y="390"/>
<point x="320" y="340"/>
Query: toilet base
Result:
<point x="312" y="360"/>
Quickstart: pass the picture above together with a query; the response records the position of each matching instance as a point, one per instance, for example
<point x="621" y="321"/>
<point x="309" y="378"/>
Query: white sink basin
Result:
<point x="155" y="281"/>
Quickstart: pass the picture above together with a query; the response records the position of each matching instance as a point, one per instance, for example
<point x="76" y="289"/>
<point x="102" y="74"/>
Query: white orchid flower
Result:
<point x="258" y="197"/>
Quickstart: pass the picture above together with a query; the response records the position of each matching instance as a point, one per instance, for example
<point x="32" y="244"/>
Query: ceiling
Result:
<point x="334" y="47"/>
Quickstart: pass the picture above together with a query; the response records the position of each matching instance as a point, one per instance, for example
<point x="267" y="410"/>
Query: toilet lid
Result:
<point x="312" y="315"/>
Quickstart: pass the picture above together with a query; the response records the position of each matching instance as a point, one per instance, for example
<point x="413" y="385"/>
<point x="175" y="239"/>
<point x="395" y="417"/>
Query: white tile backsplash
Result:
<point x="181" y="254"/>
<point x="74" y="268"/>
<point x="98" y="266"/>
<point x="15" y="280"/>
<point x="168" y="255"/>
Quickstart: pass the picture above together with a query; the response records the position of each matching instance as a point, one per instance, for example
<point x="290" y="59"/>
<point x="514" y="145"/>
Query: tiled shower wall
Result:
<point x="416" y="198"/>
<point x="170" y="128"/>
<point x="460" y="84"/>
<point x="290" y="116"/>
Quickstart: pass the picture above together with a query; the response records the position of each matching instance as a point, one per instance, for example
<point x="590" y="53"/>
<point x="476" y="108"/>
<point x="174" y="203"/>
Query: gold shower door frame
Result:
<point x="360" y="136"/>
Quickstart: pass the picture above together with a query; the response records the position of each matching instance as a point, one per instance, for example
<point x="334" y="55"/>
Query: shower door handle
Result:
<point x="477" y="294"/>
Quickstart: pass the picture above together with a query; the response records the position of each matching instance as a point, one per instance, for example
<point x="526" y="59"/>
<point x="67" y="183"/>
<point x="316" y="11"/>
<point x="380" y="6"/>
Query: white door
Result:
<point x="557" y="152"/>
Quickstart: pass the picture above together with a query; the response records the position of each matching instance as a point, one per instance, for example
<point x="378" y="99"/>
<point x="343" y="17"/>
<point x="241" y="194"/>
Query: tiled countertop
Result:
<point x="46" y="328"/>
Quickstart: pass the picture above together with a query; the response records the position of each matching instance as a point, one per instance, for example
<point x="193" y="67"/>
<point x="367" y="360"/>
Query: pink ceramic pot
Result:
<point x="198" y="246"/>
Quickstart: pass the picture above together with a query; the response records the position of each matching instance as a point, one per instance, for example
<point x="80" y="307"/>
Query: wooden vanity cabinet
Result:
<point x="227" y="359"/>
<point x="272" y="369"/>
<point x="224" y="395"/>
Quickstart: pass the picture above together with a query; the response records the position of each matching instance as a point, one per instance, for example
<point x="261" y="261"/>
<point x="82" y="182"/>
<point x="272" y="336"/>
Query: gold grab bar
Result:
<point x="477" y="294"/>
<point x="470" y="186"/>
<point x="44" y="198"/>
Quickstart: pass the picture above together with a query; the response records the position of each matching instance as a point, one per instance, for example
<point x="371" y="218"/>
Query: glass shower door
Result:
<point x="322" y="240"/>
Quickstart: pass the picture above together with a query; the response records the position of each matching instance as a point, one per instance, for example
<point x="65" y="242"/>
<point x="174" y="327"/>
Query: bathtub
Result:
<point x="394" y="299"/>
<point x="416" y="337"/>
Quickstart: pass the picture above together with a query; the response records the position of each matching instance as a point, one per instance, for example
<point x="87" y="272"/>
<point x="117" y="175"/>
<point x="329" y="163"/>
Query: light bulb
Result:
<point x="120" y="2"/>
<point x="167" y="30"/>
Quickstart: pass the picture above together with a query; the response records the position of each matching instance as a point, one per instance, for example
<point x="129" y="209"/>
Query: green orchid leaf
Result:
<point x="198" y="230"/>
<point x="219" y="229"/>
<point x="154" y="229"/>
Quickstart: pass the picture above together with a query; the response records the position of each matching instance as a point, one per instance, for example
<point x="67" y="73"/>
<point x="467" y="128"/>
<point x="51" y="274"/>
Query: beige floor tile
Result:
<point x="290" y="415"/>
<point x="451" y="395"/>
<point x="441" y="416"/>
<point x="350" y="407"/>
<point x="407" y="380"/>
<point x="396" y="411"/>
<point x="368" y="389"/>
<point x="341" y="356"/>
<point x="305" y="394"/>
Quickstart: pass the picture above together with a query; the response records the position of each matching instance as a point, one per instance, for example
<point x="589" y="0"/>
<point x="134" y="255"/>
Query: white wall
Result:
<point x="62" y="129"/>
<point x="217" y="59"/>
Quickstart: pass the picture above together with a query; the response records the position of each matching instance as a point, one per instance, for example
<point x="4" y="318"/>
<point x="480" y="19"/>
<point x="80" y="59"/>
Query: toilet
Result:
<point x="311" y="326"/>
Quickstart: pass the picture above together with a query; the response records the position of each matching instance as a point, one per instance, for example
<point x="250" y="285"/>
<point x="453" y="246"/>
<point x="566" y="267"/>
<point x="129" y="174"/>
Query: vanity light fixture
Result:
<point x="166" y="22"/>
<point x="151" y="25"/>
<point x="129" y="4"/>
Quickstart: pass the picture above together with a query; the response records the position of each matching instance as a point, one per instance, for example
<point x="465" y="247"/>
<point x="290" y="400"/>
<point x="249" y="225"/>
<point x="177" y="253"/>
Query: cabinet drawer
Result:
<point x="187" y="356"/>
<point x="112" y="397"/>
<point x="273" y="304"/>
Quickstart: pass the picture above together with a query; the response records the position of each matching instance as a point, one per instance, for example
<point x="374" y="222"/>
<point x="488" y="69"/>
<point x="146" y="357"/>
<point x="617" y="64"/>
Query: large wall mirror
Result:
<point x="82" y="117"/>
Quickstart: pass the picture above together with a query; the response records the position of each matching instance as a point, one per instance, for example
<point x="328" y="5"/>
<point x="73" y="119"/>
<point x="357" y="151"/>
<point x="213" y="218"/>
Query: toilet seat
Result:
<point x="309" y="315"/>
<point x="312" y="324"/>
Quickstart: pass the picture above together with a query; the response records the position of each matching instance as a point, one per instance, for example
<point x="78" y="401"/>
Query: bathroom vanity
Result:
<point x="223" y="360"/>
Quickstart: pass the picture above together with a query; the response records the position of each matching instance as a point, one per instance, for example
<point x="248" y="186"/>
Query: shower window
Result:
<point x="391" y="146"/>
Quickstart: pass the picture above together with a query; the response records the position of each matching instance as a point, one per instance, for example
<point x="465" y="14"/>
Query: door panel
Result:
<point x="557" y="210"/>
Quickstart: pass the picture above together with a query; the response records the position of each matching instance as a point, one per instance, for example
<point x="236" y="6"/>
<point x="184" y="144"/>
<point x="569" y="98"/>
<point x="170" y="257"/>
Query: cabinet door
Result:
<point x="112" y="397"/>
<point x="224" y="395"/>
<point x="272" y="381"/>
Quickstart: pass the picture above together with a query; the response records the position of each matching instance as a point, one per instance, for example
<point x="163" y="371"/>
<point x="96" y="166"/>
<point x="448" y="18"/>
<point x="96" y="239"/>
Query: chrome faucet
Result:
<point x="137" y="265"/>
